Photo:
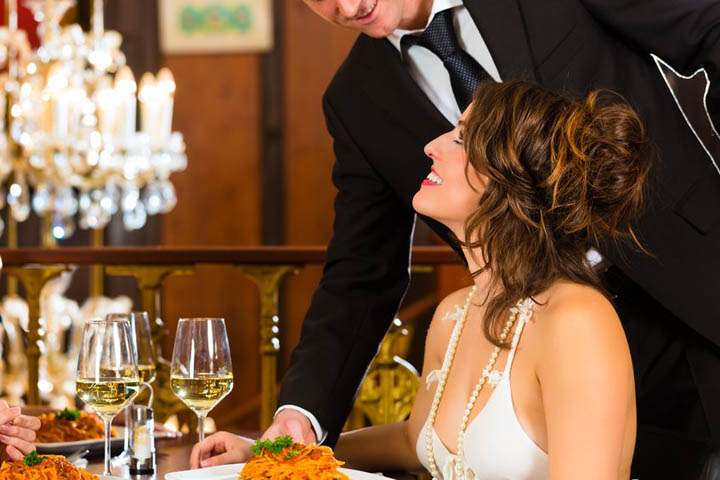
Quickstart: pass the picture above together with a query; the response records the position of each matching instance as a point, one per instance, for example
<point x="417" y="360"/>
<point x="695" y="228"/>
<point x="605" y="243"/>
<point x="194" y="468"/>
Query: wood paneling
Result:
<point x="217" y="108"/>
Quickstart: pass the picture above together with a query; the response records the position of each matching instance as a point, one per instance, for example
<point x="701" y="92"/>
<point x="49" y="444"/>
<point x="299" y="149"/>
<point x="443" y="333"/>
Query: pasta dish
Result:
<point x="48" y="467"/>
<point x="70" y="426"/>
<point x="285" y="460"/>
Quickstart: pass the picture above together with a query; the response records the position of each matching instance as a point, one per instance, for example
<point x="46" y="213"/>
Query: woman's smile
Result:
<point x="432" y="179"/>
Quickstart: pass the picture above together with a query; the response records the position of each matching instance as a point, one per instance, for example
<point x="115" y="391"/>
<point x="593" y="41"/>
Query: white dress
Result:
<point x="496" y="446"/>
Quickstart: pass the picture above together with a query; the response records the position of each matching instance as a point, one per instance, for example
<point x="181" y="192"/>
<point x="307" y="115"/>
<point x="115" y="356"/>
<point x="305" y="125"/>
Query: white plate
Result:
<point x="232" y="472"/>
<point x="66" y="448"/>
<point x="107" y="477"/>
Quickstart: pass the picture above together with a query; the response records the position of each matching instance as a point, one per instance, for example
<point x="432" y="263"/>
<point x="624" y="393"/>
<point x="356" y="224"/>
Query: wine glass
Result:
<point x="142" y="335"/>
<point x="107" y="376"/>
<point x="201" y="371"/>
<point x="142" y="339"/>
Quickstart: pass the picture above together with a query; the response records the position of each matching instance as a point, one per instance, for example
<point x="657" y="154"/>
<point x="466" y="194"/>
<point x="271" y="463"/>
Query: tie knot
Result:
<point x="439" y="37"/>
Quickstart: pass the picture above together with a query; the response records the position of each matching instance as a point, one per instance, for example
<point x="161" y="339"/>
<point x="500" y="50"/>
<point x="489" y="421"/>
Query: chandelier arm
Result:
<point x="98" y="19"/>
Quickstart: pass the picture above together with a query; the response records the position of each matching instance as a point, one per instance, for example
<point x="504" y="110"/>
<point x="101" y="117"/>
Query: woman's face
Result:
<point x="445" y="194"/>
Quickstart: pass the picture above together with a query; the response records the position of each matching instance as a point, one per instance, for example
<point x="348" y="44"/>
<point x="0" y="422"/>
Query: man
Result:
<point x="400" y="88"/>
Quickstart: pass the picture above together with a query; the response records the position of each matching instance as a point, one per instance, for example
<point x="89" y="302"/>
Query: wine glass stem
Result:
<point x="106" y="468"/>
<point x="201" y="427"/>
<point x="128" y="426"/>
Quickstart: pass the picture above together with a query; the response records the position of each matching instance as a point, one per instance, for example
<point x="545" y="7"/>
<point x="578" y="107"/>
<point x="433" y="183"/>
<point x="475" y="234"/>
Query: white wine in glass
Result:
<point x="201" y="370"/>
<point x="107" y="375"/>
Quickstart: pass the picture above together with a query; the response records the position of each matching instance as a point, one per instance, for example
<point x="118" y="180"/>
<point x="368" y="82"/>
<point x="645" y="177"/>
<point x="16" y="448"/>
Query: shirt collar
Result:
<point x="438" y="6"/>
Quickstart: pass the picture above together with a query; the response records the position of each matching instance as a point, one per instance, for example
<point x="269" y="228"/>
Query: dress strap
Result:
<point x="524" y="312"/>
<point x="456" y="315"/>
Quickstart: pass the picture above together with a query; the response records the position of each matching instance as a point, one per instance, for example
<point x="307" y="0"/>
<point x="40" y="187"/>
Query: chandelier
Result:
<point x="71" y="147"/>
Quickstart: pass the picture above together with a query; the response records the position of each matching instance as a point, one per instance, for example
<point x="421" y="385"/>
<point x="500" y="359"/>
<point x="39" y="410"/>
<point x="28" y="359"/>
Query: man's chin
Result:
<point x="376" y="31"/>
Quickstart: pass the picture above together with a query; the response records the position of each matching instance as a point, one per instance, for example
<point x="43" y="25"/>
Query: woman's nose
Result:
<point x="431" y="149"/>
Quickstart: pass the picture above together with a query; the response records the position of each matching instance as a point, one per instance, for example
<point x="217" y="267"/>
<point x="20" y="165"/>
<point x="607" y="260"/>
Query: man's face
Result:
<point x="375" y="18"/>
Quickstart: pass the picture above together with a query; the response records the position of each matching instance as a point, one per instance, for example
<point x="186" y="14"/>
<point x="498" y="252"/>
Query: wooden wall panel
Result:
<point x="314" y="50"/>
<point x="218" y="110"/>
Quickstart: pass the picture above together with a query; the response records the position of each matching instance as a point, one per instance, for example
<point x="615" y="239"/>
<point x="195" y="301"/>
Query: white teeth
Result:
<point x="434" y="178"/>
<point x="369" y="10"/>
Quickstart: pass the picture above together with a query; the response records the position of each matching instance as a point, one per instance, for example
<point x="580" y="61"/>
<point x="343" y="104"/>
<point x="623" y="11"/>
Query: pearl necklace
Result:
<point x="452" y="347"/>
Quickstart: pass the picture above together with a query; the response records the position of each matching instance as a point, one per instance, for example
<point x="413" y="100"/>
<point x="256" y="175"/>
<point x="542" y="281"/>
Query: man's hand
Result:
<point x="293" y="423"/>
<point x="219" y="449"/>
<point x="222" y="447"/>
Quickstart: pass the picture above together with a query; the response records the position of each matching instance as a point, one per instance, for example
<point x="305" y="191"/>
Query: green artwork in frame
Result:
<point x="216" y="18"/>
<point x="215" y="26"/>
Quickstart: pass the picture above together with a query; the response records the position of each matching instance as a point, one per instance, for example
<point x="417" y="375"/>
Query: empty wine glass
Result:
<point x="107" y="374"/>
<point x="201" y="371"/>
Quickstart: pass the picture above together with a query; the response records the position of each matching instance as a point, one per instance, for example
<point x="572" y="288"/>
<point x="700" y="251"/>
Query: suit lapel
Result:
<point x="391" y="87"/>
<point x="503" y="29"/>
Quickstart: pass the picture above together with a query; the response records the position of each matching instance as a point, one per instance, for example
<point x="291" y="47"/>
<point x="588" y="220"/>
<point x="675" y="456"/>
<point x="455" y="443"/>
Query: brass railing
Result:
<point x="150" y="266"/>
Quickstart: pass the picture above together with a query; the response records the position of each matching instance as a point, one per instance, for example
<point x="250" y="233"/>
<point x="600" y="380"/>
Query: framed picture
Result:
<point x="215" y="26"/>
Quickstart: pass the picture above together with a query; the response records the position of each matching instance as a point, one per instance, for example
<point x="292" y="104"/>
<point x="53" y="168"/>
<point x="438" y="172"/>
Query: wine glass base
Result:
<point x="120" y="464"/>
<point x="120" y="468"/>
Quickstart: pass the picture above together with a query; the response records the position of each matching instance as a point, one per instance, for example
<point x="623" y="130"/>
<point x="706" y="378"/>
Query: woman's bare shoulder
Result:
<point x="448" y="311"/>
<point x="578" y="323"/>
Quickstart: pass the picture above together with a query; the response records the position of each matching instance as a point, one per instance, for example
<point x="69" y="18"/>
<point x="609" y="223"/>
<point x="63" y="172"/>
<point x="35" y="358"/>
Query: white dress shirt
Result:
<point x="427" y="69"/>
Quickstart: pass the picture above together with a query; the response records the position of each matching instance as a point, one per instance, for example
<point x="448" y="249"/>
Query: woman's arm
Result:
<point x="381" y="447"/>
<point x="392" y="447"/>
<point x="586" y="377"/>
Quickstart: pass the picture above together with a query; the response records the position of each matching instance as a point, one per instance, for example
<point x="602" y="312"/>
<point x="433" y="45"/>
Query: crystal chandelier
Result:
<point x="71" y="146"/>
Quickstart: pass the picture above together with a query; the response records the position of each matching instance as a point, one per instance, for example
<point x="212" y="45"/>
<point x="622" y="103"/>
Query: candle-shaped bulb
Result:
<point x="57" y="102"/>
<point x="125" y="81"/>
<point x="56" y="79"/>
<point x="107" y="105"/>
<point x="166" y="82"/>
<point x="147" y="88"/>
<point x="126" y="87"/>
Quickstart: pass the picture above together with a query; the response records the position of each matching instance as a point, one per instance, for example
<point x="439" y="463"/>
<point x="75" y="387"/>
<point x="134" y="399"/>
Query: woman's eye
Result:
<point x="459" y="139"/>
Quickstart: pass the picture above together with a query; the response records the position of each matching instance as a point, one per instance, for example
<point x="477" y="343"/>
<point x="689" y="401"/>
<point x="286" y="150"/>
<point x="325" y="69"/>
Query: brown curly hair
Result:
<point x="563" y="175"/>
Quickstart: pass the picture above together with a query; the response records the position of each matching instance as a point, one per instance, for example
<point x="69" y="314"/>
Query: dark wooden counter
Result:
<point x="286" y="255"/>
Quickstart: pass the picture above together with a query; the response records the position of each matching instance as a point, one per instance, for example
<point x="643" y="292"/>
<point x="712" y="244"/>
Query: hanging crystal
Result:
<point x="153" y="198"/>
<point x="62" y="227"/>
<point x="135" y="219"/>
<point x="42" y="199"/>
<point x="169" y="197"/>
<point x="19" y="200"/>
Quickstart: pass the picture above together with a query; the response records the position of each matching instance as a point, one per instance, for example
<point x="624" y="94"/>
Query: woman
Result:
<point x="527" y="373"/>
<point x="17" y="433"/>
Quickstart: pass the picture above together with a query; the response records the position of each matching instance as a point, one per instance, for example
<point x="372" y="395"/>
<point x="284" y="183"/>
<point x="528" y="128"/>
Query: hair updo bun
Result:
<point x="563" y="175"/>
<point x="599" y="166"/>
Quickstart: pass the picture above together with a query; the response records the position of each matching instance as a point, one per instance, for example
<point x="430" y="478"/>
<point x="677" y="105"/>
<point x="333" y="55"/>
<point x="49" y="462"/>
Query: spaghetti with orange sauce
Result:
<point x="52" y="467"/>
<point x="56" y="428"/>
<point x="294" y="462"/>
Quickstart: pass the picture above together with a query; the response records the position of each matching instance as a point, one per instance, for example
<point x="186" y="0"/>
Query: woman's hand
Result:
<point x="17" y="432"/>
<point x="219" y="449"/>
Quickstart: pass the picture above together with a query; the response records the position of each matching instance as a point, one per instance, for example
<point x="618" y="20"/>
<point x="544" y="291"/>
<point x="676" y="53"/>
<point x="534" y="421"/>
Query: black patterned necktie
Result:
<point x="465" y="72"/>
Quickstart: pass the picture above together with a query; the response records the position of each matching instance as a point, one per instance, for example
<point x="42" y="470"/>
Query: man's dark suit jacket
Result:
<point x="380" y="120"/>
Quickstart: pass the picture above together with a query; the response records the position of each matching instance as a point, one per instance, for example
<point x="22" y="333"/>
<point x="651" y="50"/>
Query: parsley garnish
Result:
<point x="32" y="459"/>
<point x="275" y="446"/>
<point x="290" y="455"/>
<point x="68" y="414"/>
